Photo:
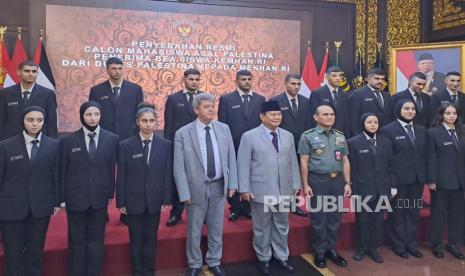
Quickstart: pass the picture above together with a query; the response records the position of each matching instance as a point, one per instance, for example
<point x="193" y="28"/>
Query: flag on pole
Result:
<point x="310" y="79"/>
<point x="45" y="76"/>
<point x="359" y="72"/>
<point x="324" y="66"/>
<point x="4" y="58"/>
<point x="19" y="55"/>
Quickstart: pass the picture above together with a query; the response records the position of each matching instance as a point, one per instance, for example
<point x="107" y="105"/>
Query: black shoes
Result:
<point x="335" y="258"/>
<point x="233" y="216"/>
<point x="217" y="270"/>
<point x="359" y="254"/>
<point x="193" y="272"/>
<point x="173" y="220"/>
<point x="415" y="253"/>
<point x="438" y="251"/>
<point x="286" y="266"/>
<point x="299" y="212"/>
<point x="373" y="254"/>
<point x="248" y="215"/>
<point x="264" y="267"/>
<point x="320" y="260"/>
<point x="455" y="251"/>
<point x="402" y="254"/>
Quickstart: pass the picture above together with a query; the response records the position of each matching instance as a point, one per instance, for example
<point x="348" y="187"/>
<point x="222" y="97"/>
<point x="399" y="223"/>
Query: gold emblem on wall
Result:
<point x="448" y="14"/>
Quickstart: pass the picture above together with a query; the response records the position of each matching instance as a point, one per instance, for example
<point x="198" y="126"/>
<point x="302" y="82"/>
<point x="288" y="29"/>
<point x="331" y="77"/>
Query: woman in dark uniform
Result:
<point x="88" y="158"/>
<point x="144" y="186"/>
<point x="29" y="193"/>
<point x="372" y="176"/>
<point x="446" y="179"/>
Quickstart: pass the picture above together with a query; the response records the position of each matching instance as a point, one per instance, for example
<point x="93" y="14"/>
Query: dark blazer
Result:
<point x="296" y="124"/>
<point x="28" y="186"/>
<point x="138" y="186"/>
<point x="119" y="117"/>
<point x="446" y="162"/>
<point x="323" y="96"/>
<point x="178" y="113"/>
<point x="409" y="160"/>
<point x="439" y="98"/>
<point x="231" y="112"/>
<point x="371" y="174"/>
<point x="363" y="100"/>
<point x="87" y="182"/>
<point x="11" y="109"/>
<point x="422" y="117"/>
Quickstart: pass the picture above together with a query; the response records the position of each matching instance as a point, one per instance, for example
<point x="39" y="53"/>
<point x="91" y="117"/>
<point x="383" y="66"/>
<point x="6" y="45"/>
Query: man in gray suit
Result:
<point x="204" y="171"/>
<point x="268" y="178"/>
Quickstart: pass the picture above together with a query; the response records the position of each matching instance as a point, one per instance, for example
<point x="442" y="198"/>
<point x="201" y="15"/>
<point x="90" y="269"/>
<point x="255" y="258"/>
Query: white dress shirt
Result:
<point x="242" y="93"/>
<point x="270" y="137"/>
<point x="290" y="98"/>
<point x="149" y="145"/>
<point x="403" y="124"/>
<point x="24" y="90"/>
<point x="28" y="139"/>
<point x="87" y="138"/>
<point x="201" y="133"/>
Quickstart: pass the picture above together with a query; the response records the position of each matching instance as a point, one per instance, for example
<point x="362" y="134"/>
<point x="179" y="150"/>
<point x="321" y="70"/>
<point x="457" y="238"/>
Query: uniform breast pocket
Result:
<point x="318" y="150"/>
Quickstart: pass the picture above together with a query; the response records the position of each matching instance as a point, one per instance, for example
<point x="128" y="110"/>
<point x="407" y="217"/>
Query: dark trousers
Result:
<point x="369" y="226"/>
<point x="177" y="207"/>
<point x="86" y="236"/>
<point x="403" y="221"/>
<point x="238" y="206"/>
<point x="447" y="207"/>
<point x="325" y="225"/>
<point x="23" y="243"/>
<point x="143" y="232"/>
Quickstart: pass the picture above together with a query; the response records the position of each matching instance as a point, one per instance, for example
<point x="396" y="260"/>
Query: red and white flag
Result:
<point x="406" y="65"/>
<point x="324" y="66"/>
<point x="310" y="79"/>
<point x="45" y="76"/>
<point x="19" y="55"/>
<point x="4" y="61"/>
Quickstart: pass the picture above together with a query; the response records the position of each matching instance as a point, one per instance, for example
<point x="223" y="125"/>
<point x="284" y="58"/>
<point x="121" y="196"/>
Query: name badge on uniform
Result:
<point x="180" y="105"/>
<point x="16" y="157"/>
<point x="447" y="143"/>
<point x="364" y="151"/>
<point x="236" y="106"/>
<point x="400" y="137"/>
<point x="337" y="155"/>
<point x="284" y="108"/>
<point x="443" y="103"/>
<point x="75" y="149"/>
<point x="104" y="97"/>
<point x="326" y="100"/>
<point x="319" y="151"/>
<point x="13" y="104"/>
<point x="368" y="99"/>
<point x="135" y="156"/>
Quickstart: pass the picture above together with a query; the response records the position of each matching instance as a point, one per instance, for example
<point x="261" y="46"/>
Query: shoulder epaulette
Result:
<point x="338" y="131"/>
<point x="310" y="130"/>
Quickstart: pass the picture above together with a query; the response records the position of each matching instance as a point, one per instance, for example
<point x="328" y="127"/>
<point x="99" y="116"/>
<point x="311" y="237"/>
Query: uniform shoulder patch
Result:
<point x="310" y="130"/>
<point x="338" y="131"/>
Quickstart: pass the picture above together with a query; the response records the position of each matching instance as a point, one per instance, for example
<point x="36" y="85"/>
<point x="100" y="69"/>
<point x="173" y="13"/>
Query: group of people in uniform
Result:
<point x="366" y="143"/>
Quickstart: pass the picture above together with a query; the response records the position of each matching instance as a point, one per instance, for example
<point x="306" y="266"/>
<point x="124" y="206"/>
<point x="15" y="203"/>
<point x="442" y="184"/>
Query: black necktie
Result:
<point x="115" y="94"/>
<point x="380" y="98"/>
<point x="410" y="133"/>
<point x="211" y="172"/>
<point x="191" y="97"/>
<point x="372" y="144"/>
<point x="34" y="149"/>
<point x="294" y="106"/>
<point x="418" y="101"/>
<point x="335" y="98"/>
<point x="92" y="146"/>
<point x="146" y="151"/>
<point x="245" y="104"/>
<point x="25" y="97"/>
<point x="275" y="141"/>
<point x="454" y="99"/>
<point x="454" y="137"/>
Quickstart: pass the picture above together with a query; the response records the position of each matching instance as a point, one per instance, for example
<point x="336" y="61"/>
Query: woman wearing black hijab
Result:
<point x="446" y="179"/>
<point x="29" y="193"/>
<point x="371" y="174"/>
<point x="87" y="176"/>
<point x="409" y="149"/>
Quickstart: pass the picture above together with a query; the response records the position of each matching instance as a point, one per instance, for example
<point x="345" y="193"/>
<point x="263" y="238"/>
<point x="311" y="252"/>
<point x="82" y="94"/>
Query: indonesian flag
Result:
<point x="45" y="76"/>
<point x="4" y="61"/>
<point x="19" y="56"/>
<point x="324" y="66"/>
<point x="310" y="79"/>
<point x="405" y="66"/>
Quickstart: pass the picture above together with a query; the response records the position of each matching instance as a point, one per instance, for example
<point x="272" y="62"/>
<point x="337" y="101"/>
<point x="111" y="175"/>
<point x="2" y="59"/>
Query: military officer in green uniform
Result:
<point x="325" y="173"/>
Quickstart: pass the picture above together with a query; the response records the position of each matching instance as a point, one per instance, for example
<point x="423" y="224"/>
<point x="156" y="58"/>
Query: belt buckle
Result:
<point x="333" y="174"/>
